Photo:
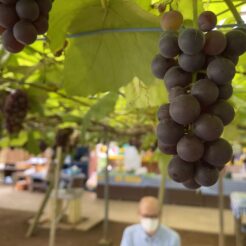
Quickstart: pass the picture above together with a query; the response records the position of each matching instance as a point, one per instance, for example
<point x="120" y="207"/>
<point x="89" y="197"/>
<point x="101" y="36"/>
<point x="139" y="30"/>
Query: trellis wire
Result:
<point x="132" y="30"/>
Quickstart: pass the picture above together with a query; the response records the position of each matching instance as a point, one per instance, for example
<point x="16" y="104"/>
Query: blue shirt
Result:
<point x="135" y="236"/>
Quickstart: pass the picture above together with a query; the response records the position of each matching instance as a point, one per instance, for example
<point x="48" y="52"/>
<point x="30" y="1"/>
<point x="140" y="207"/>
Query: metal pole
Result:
<point x="106" y="198"/>
<point x="35" y="221"/>
<point x="105" y="241"/>
<point x="162" y="188"/>
<point x="55" y="195"/>
<point x="221" y="210"/>
<point x="238" y="225"/>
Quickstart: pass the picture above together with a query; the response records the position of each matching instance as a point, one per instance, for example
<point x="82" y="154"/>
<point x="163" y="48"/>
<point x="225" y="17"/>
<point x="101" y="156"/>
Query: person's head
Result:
<point x="149" y="211"/>
<point x="42" y="145"/>
<point x="135" y="141"/>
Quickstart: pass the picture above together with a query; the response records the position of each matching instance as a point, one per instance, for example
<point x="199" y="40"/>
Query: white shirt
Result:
<point x="135" y="236"/>
<point x="132" y="159"/>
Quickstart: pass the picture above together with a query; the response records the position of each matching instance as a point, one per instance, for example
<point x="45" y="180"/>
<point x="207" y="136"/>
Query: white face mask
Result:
<point x="149" y="225"/>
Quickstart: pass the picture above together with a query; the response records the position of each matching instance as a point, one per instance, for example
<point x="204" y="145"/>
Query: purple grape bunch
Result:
<point x="197" y="66"/>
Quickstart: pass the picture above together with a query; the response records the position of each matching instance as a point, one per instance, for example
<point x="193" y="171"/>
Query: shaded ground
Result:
<point x="13" y="226"/>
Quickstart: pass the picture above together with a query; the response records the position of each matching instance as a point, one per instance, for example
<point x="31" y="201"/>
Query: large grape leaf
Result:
<point x="106" y="60"/>
<point x="105" y="63"/>
<point x="138" y="95"/>
<point x="36" y="100"/>
<point x="61" y="16"/>
<point x="100" y="109"/>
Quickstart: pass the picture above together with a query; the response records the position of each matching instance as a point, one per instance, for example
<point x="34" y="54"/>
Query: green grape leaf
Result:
<point x="139" y="95"/>
<point x="67" y="10"/>
<point x="231" y="132"/>
<point x="101" y="109"/>
<point x="106" y="60"/>
<point x="37" y="99"/>
<point x="20" y="140"/>
<point x="17" y="140"/>
<point x="32" y="144"/>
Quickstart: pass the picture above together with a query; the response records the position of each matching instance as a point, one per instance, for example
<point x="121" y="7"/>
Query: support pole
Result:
<point x="221" y="210"/>
<point x="238" y="225"/>
<point x="106" y="197"/>
<point x="35" y="221"/>
<point x="162" y="189"/>
<point x="55" y="196"/>
<point x="105" y="241"/>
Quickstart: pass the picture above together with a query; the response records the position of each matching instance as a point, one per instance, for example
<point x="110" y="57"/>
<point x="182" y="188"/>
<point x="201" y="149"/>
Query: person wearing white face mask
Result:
<point x="149" y="232"/>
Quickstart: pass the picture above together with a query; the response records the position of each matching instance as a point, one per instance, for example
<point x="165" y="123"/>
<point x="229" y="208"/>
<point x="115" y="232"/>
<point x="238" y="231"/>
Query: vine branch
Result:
<point x="234" y="12"/>
<point x="135" y="131"/>
<point x="44" y="88"/>
<point x="104" y="4"/>
<point x="195" y="13"/>
<point x="97" y="126"/>
<point x="47" y="89"/>
<point x="226" y="10"/>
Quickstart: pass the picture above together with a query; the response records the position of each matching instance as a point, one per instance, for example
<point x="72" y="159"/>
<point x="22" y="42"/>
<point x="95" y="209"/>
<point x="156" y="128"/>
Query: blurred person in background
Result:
<point x="243" y="158"/>
<point x="91" y="183"/>
<point x="149" y="232"/>
<point x="132" y="157"/>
